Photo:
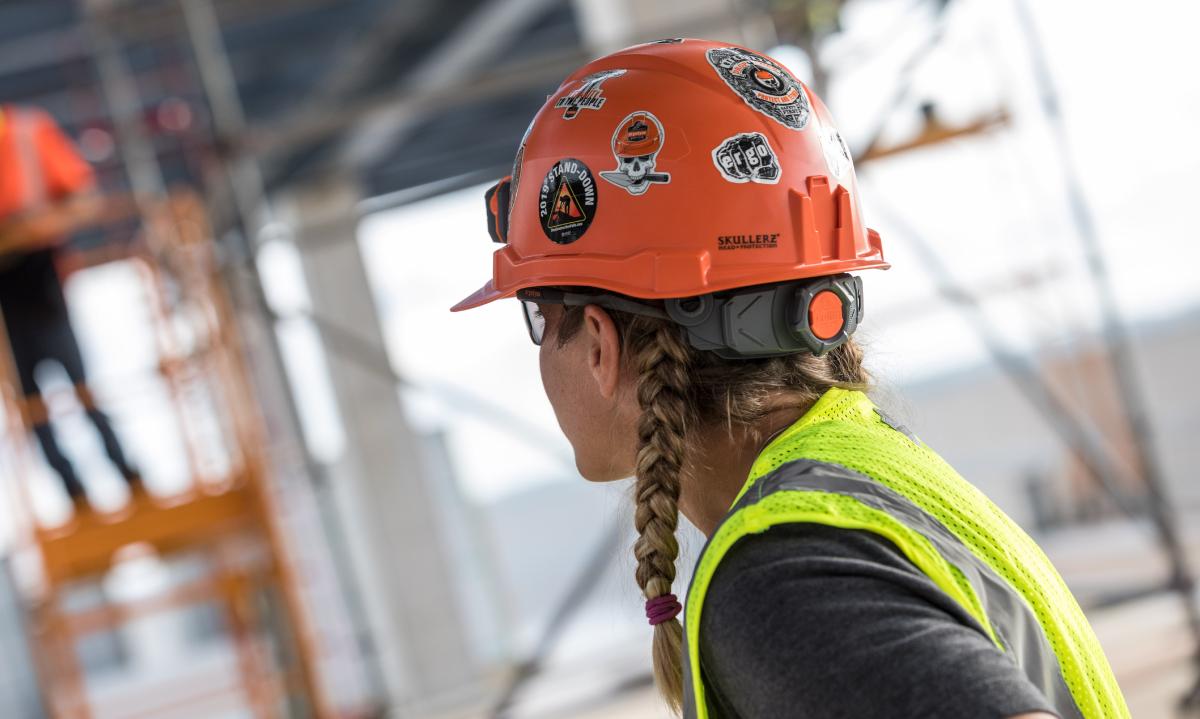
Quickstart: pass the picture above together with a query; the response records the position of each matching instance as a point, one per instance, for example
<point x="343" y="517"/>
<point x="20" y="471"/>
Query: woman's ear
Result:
<point x="603" y="344"/>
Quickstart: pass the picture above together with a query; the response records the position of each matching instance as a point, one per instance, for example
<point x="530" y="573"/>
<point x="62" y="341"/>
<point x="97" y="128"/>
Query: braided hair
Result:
<point x="662" y="390"/>
<point x="679" y="390"/>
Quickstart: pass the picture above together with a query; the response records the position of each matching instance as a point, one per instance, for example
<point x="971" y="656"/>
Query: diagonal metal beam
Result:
<point x="43" y="49"/>
<point x="1079" y="439"/>
<point x="269" y="141"/>
<point x="145" y="22"/>
<point x="361" y="55"/>
<point x="473" y="44"/>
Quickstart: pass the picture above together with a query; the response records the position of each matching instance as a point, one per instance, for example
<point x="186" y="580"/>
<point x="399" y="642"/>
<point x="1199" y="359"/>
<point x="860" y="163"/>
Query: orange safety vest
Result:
<point x="38" y="163"/>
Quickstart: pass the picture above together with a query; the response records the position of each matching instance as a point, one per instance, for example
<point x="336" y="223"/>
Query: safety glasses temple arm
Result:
<point x="581" y="299"/>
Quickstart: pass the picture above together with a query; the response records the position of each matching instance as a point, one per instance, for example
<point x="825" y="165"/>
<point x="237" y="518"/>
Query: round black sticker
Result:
<point x="567" y="201"/>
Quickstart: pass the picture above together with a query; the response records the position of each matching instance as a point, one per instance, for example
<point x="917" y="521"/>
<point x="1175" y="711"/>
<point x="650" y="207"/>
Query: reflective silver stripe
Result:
<point x="689" y="689"/>
<point x="887" y="419"/>
<point x="1010" y="616"/>
<point x="33" y="181"/>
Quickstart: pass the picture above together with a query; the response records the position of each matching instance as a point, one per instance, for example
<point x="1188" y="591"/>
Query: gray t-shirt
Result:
<point x="819" y="622"/>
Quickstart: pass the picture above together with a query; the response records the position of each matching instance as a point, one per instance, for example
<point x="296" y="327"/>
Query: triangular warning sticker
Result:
<point x="566" y="207"/>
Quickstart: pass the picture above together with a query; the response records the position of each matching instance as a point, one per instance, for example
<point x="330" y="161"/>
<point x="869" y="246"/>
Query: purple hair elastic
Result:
<point x="662" y="608"/>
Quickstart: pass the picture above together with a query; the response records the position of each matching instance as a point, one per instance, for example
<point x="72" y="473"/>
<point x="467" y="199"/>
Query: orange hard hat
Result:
<point x="676" y="169"/>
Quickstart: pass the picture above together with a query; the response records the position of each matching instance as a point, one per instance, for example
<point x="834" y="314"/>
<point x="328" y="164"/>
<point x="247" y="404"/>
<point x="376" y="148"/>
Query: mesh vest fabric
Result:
<point x="842" y="464"/>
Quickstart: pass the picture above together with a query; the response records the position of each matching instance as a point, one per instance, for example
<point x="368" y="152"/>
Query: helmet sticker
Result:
<point x="516" y="180"/>
<point x="516" y="171"/>
<point x="837" y="155"/>
<point x="636" y="143"/>
<point x="763" y="84"/>
<point x="567" y="201"/>
<point x="588" y="96"/>
<point x="747" y="157"/>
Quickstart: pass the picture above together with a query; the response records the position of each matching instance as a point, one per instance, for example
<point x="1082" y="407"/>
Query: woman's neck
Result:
<point x="719" y="463"/>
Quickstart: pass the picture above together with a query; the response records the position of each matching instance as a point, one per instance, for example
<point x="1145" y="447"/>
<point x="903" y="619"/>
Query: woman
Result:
<point x="679" y="226"/>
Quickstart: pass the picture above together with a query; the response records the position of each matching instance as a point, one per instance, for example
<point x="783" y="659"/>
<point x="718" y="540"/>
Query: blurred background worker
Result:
<point x="47" y="192"/>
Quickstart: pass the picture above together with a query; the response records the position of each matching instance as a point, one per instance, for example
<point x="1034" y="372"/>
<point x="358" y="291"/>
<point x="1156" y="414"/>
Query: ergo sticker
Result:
<point x="763" y="84"/>
<point x="588" y="96"/>
<point x="747" y="157"/>
<point x="567" y="201"/>
<point x="635" y="144"/>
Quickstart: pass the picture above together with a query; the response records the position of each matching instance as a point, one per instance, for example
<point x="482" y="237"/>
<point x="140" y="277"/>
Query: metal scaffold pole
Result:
<point x="1120" y="344"/>
<point x="247" y="194"/>
<point x="124" y="105"/>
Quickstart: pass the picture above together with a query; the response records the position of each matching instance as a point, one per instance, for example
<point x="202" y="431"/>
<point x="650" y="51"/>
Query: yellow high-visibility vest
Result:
<point x="846" y="464"/>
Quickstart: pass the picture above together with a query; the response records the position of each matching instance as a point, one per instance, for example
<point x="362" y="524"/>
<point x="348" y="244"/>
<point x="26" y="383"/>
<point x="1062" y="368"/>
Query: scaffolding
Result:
<point x="227" y="522"/>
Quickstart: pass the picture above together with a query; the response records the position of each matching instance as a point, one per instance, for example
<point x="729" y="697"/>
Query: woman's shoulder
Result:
<point x="818" y="582"/>
<point x="839" y="621"/>
<point x="784" y="561"/>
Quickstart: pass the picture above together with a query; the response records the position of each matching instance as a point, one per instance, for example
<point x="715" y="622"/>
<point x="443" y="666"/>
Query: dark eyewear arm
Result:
<point x="553" y="296"/>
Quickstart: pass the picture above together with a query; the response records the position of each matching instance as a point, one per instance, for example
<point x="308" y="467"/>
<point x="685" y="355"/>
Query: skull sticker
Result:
<point x="636" y="144"/>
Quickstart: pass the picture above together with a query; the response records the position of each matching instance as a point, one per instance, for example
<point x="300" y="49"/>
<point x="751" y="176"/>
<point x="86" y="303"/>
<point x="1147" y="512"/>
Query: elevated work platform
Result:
<point x="89" y="544"/>
<point x="216" y="550"/>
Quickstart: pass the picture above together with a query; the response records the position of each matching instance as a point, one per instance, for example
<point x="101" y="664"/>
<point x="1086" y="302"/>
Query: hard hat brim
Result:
<point x="482" y="296"/>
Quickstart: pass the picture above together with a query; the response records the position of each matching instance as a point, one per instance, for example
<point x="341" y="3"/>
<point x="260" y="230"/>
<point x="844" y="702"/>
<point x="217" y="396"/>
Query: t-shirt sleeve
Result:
<point x="811" y="621"/>
<point x="63" y="168"/>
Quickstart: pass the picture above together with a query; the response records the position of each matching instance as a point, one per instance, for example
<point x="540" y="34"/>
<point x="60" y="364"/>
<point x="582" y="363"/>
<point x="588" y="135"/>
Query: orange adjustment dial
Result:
<point x="825" y="315"/>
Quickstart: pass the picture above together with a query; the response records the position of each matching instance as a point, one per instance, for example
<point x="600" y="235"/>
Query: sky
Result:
<point x="993" y="208"/>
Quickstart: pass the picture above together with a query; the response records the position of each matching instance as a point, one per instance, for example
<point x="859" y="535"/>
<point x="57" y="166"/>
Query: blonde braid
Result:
<point x="679" y="388"/>
<point x="662" y="361"/>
